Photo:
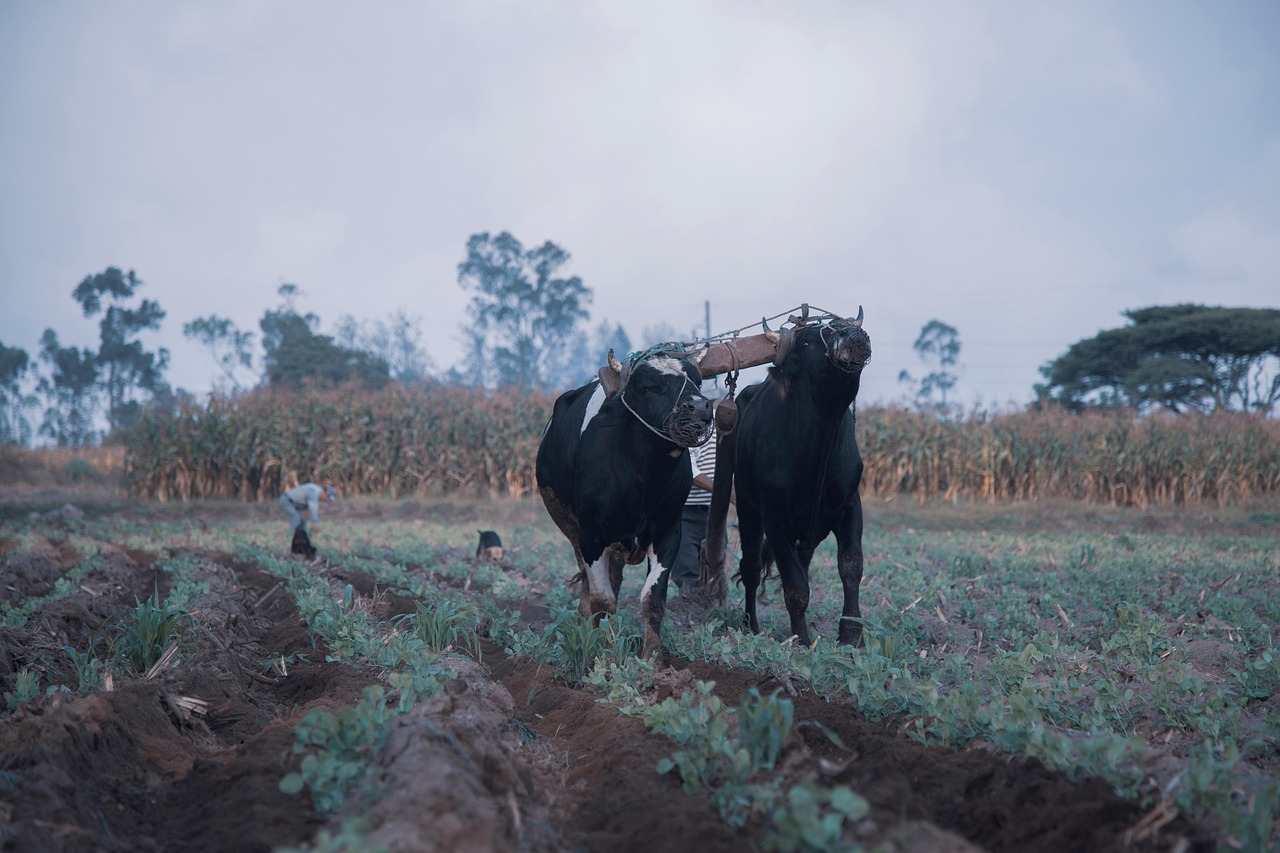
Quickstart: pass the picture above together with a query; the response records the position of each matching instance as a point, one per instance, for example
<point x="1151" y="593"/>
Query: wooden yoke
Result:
<point x="714" y="582"/>
<point x="735" y="354"/>
<point x="712" y="360"/>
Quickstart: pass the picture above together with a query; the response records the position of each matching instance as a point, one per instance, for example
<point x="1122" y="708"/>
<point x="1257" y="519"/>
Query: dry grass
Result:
<point x="452" y="441"/>
<point x="1104" y="457"/>
<point x="393" y="442"/>
<point x="62" y="468"/>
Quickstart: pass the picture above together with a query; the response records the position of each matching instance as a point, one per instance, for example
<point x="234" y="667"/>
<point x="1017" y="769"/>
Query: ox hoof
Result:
<point x="598" y="609"/>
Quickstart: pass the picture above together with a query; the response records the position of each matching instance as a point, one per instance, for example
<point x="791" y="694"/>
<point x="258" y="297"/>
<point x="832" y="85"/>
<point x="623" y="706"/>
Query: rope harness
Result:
<point x="688" y="431"/>
<point x="678" y="428"/>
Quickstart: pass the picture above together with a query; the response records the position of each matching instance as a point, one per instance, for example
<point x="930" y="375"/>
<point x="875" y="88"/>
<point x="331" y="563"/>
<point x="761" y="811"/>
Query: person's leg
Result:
<point x="687" y="573"/>
<point x="291" y="512"/>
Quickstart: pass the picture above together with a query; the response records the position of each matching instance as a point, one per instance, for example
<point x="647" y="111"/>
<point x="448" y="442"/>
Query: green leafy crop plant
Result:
<point x="139" y="641"/>
<point x="730" y="752"/>
<point x="340" y="744"/>
<point x="86" y="666"/>
<point x="26" y="687"/>
<point x="15" y="615"/>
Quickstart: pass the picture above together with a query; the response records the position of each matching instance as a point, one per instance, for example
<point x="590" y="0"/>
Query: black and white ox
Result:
<point x="613" y="470"/>
<point x="797" y="467"/>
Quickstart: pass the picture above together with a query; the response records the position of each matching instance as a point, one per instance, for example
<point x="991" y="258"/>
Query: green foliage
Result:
<point x="342" y="742"/>
<point x="232" y="349"/>
<point x="295" y="354"/>
<point x="126" y="367"/>
<point x="14" y="615"/>
<point x="397" y="341"/>
<point x="576" y="645"/>
<point x="731" y="751"/>
<point x="26" y="687"/>
<point x="78" y="470"/>
<point x="86" y="666"/>
<point x="524" y="319"/>
<point x="140" y="641"/>
<point x="14" y="400"/>
<point x="1260" y="678"/>
<point x="938" y="345"/>
<point x="812" y="818"/>
<point x="1180" y="358"/>
<point x="352" y="837"/>
<point x="70" y="392"/>
<point x="445" y="622"/>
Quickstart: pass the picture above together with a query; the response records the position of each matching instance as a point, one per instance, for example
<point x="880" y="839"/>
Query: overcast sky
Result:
<point x="1022" y="171"/>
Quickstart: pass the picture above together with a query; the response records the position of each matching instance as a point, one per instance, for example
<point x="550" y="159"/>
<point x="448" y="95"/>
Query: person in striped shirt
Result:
<point x="687" y="573"/>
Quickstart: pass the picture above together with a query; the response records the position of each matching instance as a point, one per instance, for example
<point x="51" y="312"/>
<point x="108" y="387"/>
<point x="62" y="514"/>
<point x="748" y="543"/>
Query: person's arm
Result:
<point x="313" y="506"/>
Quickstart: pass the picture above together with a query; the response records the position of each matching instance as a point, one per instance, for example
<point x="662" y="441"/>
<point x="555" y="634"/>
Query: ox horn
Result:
<point x="857" y="321"/>
<point x="768" y="333"/>
<point x="613" y="363"/>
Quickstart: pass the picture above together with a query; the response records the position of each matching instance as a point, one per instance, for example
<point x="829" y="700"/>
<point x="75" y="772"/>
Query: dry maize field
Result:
<point x="1048" y="676"/>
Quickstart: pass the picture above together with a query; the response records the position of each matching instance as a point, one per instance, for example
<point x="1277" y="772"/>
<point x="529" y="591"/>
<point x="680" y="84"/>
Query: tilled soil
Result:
<point x="508" y="757"/>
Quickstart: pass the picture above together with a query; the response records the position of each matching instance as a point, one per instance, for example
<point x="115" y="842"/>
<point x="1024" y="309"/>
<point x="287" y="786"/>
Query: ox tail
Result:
<point x="767" y="563"/>
<point x="714" y="583"/>
<point x="576" y="579"/>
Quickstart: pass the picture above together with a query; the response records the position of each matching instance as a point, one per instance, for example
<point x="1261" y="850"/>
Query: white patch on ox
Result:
<point x="593" y="407"/>
<point x="598" y="578"/>
<point x="668" y="365"/>
<point x="655" y="574"/>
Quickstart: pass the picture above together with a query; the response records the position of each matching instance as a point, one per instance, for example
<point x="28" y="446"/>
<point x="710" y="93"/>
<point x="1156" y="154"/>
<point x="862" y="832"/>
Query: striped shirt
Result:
<point x="703" y="461"/>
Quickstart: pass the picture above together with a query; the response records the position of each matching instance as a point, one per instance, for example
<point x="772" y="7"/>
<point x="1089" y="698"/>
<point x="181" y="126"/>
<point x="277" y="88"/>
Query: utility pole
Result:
<point x="707" y="306"/>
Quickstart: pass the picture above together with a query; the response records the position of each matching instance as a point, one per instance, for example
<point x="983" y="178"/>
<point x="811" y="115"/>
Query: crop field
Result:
<point x="1047" y="676"/>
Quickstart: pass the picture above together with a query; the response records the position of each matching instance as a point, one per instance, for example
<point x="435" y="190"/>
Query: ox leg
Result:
<point x="849" y="563"/>
<point x="795" y="582"/>
<point x="617" y="559"/>
<point x="751" y="538"/>
<point x="596" y="597"/>
<point x="653" y="597"/>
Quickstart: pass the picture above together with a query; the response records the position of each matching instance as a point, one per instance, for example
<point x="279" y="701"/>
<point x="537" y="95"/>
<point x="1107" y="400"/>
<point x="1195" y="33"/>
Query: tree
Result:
<point x="14" y="401"/>
<point x="587" y="353"/>
<point x="126" y="367"/>
<point x="396" y="340"/>
<point x="232" y="349"/>
<point x="938" y="346"/>
<point x="295" y="354"/>
<point x="610" y="336"/>
<point x="1178" y="357"/>
<point x="524" y="317"/>
<point x="70" y="389"/>
<point x="661" y="332"/>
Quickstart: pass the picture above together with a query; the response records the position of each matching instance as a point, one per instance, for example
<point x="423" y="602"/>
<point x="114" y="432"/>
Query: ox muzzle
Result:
<point x="689" y="423"/>
<point x="848" y="346"/>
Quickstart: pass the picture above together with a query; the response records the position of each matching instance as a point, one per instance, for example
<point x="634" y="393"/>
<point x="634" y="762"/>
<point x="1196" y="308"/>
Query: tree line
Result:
<point x="528" y="328"/>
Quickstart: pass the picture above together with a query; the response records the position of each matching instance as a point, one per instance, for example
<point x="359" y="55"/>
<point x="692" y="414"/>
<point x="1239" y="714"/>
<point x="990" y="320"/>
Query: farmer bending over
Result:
<point x="305" y="498"/>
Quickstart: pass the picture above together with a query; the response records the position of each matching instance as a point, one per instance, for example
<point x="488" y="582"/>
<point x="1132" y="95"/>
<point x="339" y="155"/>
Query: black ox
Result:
<point x="797" y="467"/>
<point x="613" y="470"/>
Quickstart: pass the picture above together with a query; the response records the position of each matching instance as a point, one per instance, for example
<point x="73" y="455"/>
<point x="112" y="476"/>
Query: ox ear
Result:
<point x="610" y="381"/>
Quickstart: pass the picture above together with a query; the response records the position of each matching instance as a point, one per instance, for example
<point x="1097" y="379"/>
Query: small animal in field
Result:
<point x="490" y="547"/>
<point x="302" y="543"/>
